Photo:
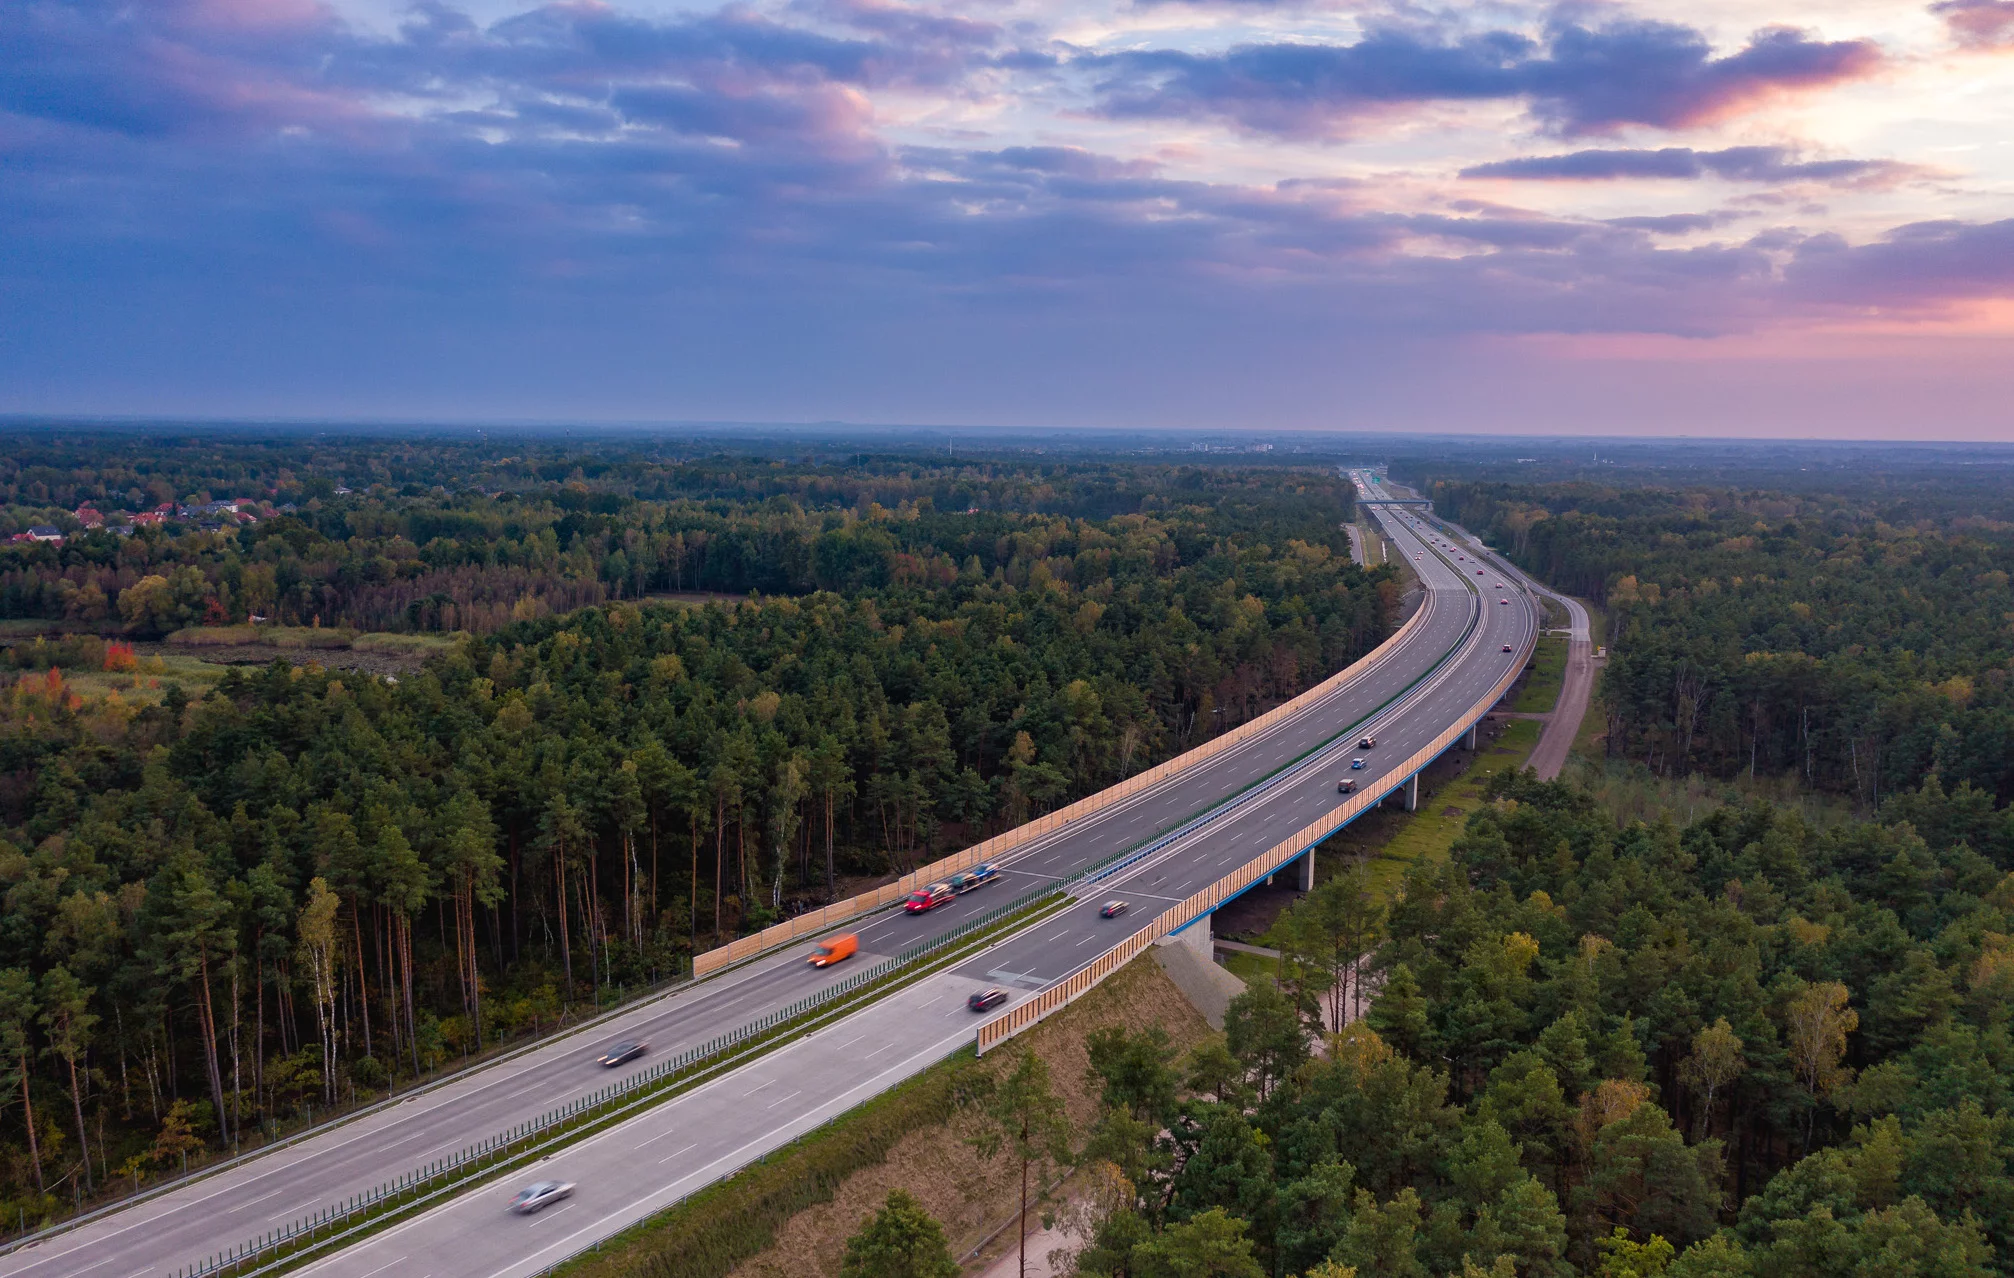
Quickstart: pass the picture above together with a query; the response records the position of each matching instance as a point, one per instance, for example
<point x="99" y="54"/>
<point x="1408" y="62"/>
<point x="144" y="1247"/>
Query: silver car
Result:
<point x="540" y="1194"/>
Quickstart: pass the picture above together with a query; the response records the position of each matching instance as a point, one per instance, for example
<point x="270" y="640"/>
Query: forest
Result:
<point x="442" y="536"/>
<point x="1747" y="1045"/>
<point x="304" y="885"/>
<point x="1857" y="636"/>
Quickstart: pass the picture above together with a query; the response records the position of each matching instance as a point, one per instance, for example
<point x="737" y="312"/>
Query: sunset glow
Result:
<point x="1128" y="213"/>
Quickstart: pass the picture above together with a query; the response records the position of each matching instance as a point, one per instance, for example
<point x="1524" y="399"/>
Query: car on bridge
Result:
<point x="1346" y="785"/>
<point x="928" y="898"/>
<point x="1113" y="909"/>
<point x="1356" y="765"/>
<point x="1367" y="743"/>
<point x="986" y="1000"/>
<point x="1507" y="647"/>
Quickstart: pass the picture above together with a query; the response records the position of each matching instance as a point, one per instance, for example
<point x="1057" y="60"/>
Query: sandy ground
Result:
<point x="974" y="1198"/>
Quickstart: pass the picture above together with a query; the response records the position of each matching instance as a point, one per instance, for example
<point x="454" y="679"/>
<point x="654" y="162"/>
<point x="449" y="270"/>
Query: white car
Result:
<point x="540" y="1194"/>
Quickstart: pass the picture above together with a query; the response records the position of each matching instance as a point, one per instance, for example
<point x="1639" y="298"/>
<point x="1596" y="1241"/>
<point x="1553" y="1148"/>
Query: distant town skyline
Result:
<point x="1787" y="219"/>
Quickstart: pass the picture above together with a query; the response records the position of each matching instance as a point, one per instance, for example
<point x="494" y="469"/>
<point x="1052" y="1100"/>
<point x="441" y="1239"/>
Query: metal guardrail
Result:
<point x="504" y="1052"/>
<point x="1009" y="841"/>
<point x="357" y="1208"/>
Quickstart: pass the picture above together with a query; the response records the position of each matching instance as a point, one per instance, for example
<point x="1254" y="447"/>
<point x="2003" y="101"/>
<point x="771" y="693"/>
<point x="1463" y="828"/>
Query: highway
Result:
<point x="1548" y="759"/>
<point x="188" y="1223"/>
<point x="631" y="1171"/>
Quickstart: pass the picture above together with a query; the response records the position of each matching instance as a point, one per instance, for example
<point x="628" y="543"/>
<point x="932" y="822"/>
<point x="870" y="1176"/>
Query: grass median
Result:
<point x="1542" y="685"/>
<point x="1428" y="833"/>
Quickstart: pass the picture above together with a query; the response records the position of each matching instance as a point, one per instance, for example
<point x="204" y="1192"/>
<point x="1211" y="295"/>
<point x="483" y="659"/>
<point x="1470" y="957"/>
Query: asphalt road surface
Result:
<point x="640" y="1167"/>
<point x="1548" y="759"/>
<point x="155" y="1236"/>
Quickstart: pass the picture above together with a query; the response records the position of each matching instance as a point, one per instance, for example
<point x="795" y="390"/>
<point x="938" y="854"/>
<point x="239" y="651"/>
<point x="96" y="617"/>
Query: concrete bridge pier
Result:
<point x="1413" y="793"/>
<point x="1472" y="734"/>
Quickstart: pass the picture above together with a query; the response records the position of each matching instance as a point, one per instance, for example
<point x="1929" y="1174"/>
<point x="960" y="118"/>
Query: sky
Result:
<point x="1712" y="217"/>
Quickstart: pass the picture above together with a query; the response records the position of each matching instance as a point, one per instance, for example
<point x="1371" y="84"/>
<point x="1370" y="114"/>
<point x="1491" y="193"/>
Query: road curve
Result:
<point x="630" y="1171"/>
<point x="157" y="1234"/>
<point x="1548" y="759"/>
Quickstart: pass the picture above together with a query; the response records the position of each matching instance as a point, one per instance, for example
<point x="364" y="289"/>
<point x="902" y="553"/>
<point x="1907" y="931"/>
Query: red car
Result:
<point x="928" y="898"/>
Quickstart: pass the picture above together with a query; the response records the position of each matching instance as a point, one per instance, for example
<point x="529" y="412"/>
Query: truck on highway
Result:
<point x="834" y="948"/>
<point x="976" y="877"/>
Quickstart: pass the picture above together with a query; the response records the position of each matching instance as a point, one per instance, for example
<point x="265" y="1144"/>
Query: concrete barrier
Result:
<point x="816" y="922"/>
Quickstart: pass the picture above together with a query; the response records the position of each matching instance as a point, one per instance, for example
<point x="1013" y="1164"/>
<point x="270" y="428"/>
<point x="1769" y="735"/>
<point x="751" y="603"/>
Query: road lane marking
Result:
<point x="448" y="1101"/>
<point x="381" y="1268"/>
<point x="660" y="1136"/>
<point x="779" y="1100"/>
<point x="753" y="1090"/>
<point x="675" y="1153"/>
<point x="543" y="1217"/>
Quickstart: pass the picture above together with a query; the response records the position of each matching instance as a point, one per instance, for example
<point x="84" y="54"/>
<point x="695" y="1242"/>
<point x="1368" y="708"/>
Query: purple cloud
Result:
<point x="1985" y="24"/>
<point x="1669" y="223"/>
<point x="581" y="192"/>
<point x="1917" y="267"/>
<point x="1738" y="164"/>
<point x="1577" y="79"/>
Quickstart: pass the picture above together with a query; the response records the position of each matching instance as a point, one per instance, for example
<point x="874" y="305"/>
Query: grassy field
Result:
<point x="1597" y="622"/>
<point x="1249" y="967"/>
<point x="1541" y="687"/>
<point x="1442" y="814"/>
<point x="310" y="639"/>
<point x="147" y="684"/>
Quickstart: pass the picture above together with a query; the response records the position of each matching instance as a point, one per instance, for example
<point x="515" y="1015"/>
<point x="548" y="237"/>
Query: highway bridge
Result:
<point x="1184" y="845"/>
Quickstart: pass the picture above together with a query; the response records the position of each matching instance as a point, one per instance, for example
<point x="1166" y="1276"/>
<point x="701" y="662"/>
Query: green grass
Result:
<point x="273" y="636"/>
<point x="1541" y="687"/>
<point x="1249" y="967"/>
<point x="1432" y="830"/>
<point x="1597" y="622"/>
<point x="148" y="684"/>
<point x="417" y="645"/>
<point x="1587" y="742"/>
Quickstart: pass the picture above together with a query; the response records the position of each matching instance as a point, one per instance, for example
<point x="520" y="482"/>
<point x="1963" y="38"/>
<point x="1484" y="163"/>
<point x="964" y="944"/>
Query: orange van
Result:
<point x="834" y="948"/>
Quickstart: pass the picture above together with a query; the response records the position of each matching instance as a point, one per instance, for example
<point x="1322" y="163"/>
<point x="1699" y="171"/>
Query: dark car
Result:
<point x="1113" y="909"/>
<point x="627" y="1050"/>
<point x="1507" y="647"/>
<point x="987" y="1000"/>
<point x="540" y="1194"/>
<point x="1346" y="785"/>
<point x="1367" y="743"/>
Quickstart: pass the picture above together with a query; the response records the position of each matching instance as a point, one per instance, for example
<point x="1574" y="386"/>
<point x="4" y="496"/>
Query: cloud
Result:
<point x="1670" y="223"/>
<point x="1576" y="79"/>
<point x="719" y="192"/>
<point x="1736" y="164"/>
<point x="1915" y="267"/>
<point x="1979" y="23"/>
